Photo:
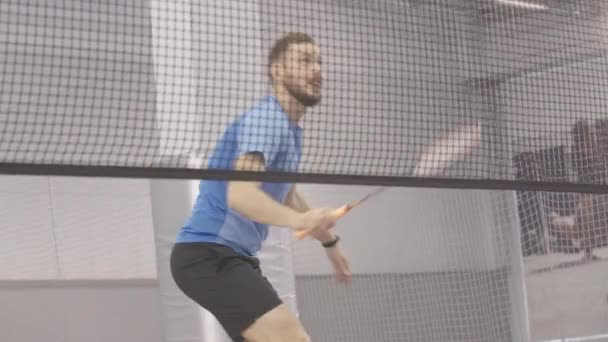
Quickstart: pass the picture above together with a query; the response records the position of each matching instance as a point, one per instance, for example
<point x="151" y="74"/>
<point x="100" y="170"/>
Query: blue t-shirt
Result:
<point x="265" y="129"/>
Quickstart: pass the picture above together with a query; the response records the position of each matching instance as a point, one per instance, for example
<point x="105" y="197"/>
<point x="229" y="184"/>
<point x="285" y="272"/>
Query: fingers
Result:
<point x="299" y="235"/>
<point x="343" y="273"/>
<point x="340" y="265"/>
<point x="321" y="218"/>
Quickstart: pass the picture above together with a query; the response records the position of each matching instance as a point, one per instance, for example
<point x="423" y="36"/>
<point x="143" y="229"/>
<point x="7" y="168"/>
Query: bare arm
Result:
<point x="295" y="201"/>
<point x="250" y="201"/>
<point x="335" y="255"/>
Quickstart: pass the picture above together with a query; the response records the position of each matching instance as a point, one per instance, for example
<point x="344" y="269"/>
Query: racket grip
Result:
<point x="301" y="234"/>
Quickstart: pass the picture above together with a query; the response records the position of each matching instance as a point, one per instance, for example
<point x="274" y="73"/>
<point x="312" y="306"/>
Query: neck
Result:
<point x="294" y="109"/>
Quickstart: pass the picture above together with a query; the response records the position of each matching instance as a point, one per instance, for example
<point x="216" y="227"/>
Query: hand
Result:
<point x="340" y="264"/>
<point x="319" y="219"/>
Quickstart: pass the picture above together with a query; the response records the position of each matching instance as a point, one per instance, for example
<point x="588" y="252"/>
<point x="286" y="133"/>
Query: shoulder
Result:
<point x="265" y="114"/>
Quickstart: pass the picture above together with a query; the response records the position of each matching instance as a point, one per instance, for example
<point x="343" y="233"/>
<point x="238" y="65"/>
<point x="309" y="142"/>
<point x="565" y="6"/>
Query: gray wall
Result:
<point x="544" y="38"/>
<point x="229" y="67"/>
<point x="79" y="311"/>
<point x="77" y="87"/>
<point x="62" y="228"/>
<point x="416" y="69"/>
<point x="558" y="73"/>
<point x="458" y="306"/>
<point x="77" y="260"/>
<point x="445" y="267"/>
<point x="430" y="265"/>
<point x="557" y="67"/>
<point x="540" y="108"/>
<point x="181" y="318"/>
<point x="417" y="230"/>
<point x="77" y="80"/>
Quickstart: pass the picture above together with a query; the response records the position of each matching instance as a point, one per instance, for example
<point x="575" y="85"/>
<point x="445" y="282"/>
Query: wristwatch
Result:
<point x="332" y="243"/>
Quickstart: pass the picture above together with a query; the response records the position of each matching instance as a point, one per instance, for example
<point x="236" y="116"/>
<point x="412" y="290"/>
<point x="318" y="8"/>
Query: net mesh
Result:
<point x="111" y="88"/>
<point x="428" y="264"/>
<point x="459" y="265"/>
<point x="491" y="94"/>
<point x="446" y="270"/>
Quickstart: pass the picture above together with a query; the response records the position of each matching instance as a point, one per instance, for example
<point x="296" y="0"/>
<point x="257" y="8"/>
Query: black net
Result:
<point x="488" y="93"/>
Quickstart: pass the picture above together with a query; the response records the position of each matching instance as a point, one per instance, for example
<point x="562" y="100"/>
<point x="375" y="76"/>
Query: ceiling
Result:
<point x="489" y="12"/>
<point x="492" y="11"/>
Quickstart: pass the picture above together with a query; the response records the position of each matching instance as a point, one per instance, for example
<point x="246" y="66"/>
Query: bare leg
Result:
<point x="277" y="325"/>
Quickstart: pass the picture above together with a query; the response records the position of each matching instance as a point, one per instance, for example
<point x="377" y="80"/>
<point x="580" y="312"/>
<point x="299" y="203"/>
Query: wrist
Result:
<point x="325" y="236"/>
<point x="332" y="243"/>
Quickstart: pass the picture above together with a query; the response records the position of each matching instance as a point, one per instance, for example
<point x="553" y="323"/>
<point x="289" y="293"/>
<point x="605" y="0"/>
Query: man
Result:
<point x="214" y="259"/>
<point x="588" y="224"/>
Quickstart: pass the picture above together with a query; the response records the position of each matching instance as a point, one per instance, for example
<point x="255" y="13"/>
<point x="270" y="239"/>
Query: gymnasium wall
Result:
<point x="77" y="258"/>
<point x="444" y="253"/>
<point x="553" y="66"/>
<point x="75" y="85"/>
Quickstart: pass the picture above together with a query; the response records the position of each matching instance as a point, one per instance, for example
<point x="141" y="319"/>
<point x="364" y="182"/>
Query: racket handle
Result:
<point x="301" y="234"/>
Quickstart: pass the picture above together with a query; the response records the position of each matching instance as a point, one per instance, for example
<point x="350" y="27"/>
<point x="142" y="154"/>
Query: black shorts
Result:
<point x="226" y="283"/>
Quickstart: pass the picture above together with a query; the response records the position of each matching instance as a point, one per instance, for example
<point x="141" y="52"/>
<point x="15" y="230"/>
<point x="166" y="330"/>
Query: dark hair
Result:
<point x="281" y="45"/>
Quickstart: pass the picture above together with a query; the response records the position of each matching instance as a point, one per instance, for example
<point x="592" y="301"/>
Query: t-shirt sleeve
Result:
<point x="261" y="132"/>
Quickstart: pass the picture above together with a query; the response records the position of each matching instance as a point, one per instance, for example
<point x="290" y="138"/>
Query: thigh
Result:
<point x="277" y="325"/>
<point x="228" y="285"/>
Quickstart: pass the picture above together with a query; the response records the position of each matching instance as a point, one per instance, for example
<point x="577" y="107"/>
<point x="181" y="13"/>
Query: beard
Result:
<point x="300" y="94"/>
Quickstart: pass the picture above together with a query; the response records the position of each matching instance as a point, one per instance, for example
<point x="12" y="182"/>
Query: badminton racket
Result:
<point x="435" y="158"/>
<point x="447" y="149"/>
<point x="343" y="210"/>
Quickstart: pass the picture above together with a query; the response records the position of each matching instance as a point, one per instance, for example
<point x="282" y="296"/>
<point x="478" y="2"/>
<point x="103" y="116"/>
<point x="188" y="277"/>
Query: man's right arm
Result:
<point x="249" y="200"/>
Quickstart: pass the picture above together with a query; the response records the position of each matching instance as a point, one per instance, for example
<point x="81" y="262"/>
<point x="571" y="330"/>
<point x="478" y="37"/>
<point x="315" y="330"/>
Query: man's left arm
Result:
<point x="296" y="202"/>
<point x="339" y="262"/>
